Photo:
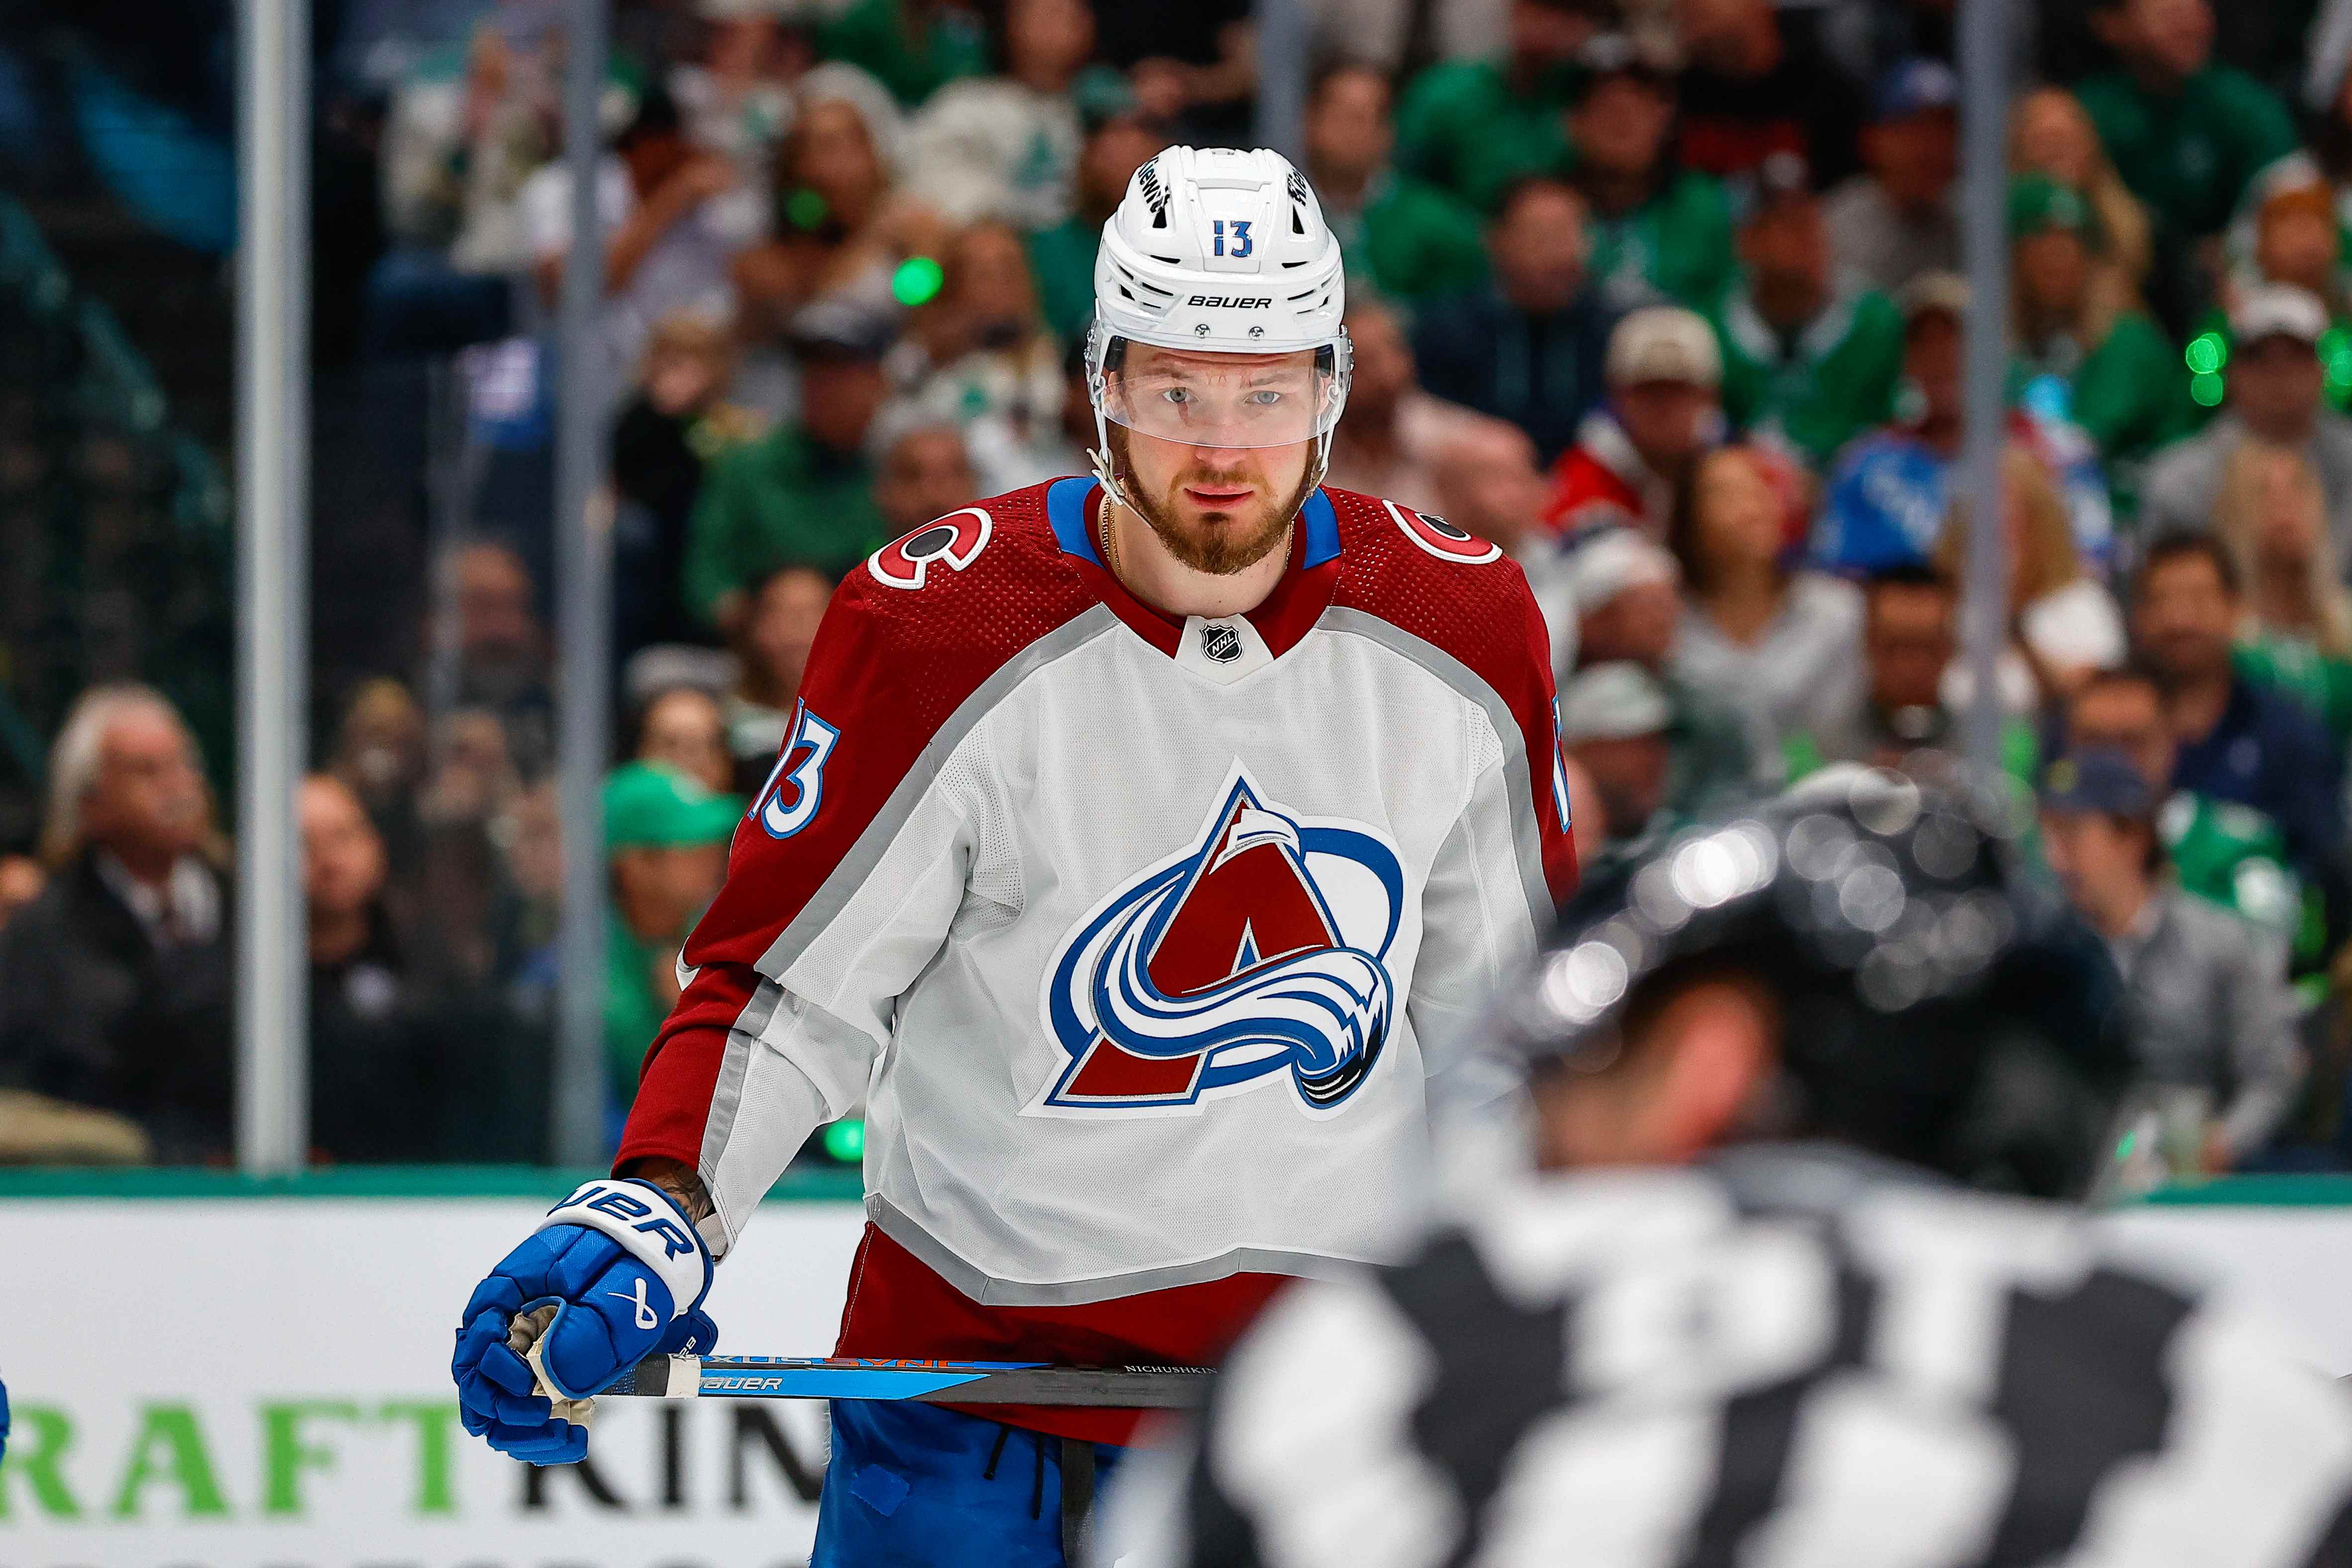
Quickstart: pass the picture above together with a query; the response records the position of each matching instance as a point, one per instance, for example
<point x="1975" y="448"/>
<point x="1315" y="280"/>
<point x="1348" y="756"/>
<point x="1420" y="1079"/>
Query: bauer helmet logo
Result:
<point x="1231" y="302"/>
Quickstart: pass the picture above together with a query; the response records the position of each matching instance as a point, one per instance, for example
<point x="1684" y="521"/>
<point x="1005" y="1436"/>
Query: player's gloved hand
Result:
<point x="615" y="1273"/>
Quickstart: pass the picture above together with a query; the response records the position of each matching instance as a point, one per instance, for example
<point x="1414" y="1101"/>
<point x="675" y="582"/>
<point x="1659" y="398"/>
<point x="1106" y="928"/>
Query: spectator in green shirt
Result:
<point x="2186" y="134"/>
<point x="2297" y="634"/>
<point x="1660" y="232"/>
<point x="1810" y="359"/>
<point x="1476" y="126"/>
<point x="2084" y="349"/>
<point x="1409" y="238"/>
<point x="804" y="495"/>
<point x="1118" y="138"/>
<point x="666" y="847"/>
<point x="914" y="48"/>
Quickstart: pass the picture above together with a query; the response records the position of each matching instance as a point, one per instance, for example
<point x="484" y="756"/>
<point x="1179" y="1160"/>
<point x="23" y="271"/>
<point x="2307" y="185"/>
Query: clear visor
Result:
<point x="1218" y="399"/>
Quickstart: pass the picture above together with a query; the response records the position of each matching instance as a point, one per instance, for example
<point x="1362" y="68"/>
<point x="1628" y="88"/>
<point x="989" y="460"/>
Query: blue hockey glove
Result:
<point x="615" y="1272"/>
<point x="4" y="1420"/>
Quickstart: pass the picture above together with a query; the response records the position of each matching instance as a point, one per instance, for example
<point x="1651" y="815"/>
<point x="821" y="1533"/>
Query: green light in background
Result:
<point x="2336" y="353"/>
<point x="845" y="1141"/>
<point x="805" y="209"/>
<point x="2206" y="388"/>
<point x="917" y="279"/>
<point x="2207" y="353"/>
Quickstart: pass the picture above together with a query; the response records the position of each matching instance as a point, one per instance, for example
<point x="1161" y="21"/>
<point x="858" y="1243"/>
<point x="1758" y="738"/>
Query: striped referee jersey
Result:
<point x="1784" y="1359"/>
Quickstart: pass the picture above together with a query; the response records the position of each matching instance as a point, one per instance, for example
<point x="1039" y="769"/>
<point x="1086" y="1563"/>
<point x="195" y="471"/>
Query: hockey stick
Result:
<point x="948" y="1382"/>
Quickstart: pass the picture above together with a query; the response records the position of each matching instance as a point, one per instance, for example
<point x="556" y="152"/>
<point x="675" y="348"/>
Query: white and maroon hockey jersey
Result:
<point x="1129" y="933"/>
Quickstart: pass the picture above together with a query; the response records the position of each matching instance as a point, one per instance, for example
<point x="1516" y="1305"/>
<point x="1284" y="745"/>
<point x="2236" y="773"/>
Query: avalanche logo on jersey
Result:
<point x="1258" y="952"/>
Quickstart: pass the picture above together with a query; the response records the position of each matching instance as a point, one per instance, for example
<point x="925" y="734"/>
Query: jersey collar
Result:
<point x="1073" y="509"/>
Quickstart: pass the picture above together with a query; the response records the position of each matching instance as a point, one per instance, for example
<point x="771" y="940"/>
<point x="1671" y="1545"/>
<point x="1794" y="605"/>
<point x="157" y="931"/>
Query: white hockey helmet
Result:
<point x="1219" y="251"/>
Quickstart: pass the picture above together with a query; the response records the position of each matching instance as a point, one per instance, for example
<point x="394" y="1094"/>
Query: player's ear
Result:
<point x="1712" y="1052"/>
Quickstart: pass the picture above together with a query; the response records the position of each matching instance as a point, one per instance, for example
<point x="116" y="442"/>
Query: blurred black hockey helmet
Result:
<point x="1939" y="1004"/>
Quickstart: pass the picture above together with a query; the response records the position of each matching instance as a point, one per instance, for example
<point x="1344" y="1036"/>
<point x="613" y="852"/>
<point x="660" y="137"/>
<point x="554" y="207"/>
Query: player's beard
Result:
<point x="1222" y="553"/>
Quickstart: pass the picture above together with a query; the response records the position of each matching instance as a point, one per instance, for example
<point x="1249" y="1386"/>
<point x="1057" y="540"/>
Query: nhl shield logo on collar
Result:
<point x="1220" y="642"/>
<point x="1257" y="954"/>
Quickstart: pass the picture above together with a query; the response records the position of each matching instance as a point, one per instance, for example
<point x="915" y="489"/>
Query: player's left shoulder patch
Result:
<point x="956" y="539"/>
<point x="1441" y="538"/>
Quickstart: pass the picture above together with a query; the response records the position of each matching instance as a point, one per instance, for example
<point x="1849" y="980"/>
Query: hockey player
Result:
<point x="1133" y="836"/>
<point x="1772" y="1325"/>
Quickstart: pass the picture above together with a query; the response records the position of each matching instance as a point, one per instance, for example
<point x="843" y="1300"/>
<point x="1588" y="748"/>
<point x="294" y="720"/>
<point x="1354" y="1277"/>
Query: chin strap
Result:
<point x="1106" y="473"/>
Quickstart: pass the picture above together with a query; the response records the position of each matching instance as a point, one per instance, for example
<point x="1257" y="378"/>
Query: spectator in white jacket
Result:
<point x="1007" y="147"/>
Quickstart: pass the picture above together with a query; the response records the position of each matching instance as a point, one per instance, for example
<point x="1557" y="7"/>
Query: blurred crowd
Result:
<point x="1661" y="296"/>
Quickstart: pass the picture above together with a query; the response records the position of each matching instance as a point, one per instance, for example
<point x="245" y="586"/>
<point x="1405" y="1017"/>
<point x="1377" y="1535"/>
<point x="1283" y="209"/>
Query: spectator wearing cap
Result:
<point x="1408" y="238"/>
<point x="2297" y="634"/>
<point x="665" y="841"/>
<point x="673" y="219"/>
<point x="1005" y="147"/>
<point x="1665" y="376"/>
<point x="2084" y="347"/>
<point x="2276" y="394"/>
<point x="2207" y="1007"/>
<point x="1623" y="590"/>
<point x="1899" y="217"/>
<point x="2292" y="237"/>
<point x="914" y="48"/>
<point x="2237" y="741"/>
<point x="1811" y="356"/>
<point x="1775" y="643"/>
<point x="2049" y="134"/>
<point x="674" y="423"/>
<point x="1530" y="346"/>
<point x="1390" y="433"/>
<point x="1755" y="85"/>
<point x="2224" y="852"/>
<point x="1889" y="493"/>
<point x="1475" y="127"/>
<point x="1119" y="139"/>
<point x="2186" y="133"/>
<point x="801" y="495"/>
<point x="1614" y="724"/>
<point x="1659" y="231"/>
